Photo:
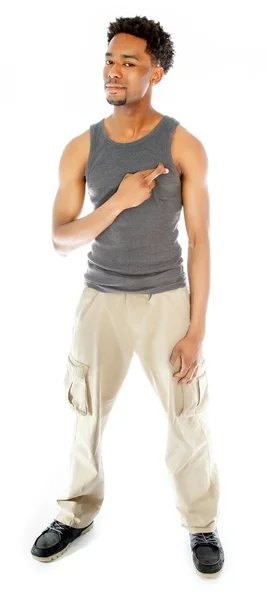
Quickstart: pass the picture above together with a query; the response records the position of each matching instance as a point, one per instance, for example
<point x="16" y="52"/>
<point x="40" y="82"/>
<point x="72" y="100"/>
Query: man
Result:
<point x="140" y="167"/>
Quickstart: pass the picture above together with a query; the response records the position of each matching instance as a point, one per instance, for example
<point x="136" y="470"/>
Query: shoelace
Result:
<point x="58" y="527"/>
<point x="206" y="538"/>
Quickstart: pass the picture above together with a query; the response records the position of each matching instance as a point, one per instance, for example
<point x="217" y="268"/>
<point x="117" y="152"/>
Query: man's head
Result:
<point x="153" y="51"/>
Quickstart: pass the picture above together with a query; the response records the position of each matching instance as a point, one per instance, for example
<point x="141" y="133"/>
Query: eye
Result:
<point x="131" y="64"/>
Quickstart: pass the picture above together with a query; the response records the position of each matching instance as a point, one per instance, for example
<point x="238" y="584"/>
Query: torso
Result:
<point x="175" y="145"/>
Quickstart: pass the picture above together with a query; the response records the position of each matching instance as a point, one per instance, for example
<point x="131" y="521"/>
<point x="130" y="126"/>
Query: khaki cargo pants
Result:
<point x="108" y="329"/>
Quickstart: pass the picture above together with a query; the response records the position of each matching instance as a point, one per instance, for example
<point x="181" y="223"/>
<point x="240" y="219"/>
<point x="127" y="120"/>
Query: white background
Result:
<point x="51" y="64"/>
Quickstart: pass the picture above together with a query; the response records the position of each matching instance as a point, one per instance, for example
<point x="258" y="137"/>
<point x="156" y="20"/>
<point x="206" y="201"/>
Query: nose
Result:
<point x="114" y="71"/>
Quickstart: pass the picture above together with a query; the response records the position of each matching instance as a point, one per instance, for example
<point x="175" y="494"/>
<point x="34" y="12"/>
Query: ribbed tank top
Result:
<point x="139" y="252"/>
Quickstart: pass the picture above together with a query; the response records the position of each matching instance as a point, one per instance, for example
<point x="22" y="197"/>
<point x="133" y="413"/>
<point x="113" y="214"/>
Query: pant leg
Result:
<point x="97" y="364"/>
<point x="193" y="472"/>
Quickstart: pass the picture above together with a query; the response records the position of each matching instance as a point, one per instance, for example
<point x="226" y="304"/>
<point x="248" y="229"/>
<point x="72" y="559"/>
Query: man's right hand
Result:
<point x="137" y="187"/>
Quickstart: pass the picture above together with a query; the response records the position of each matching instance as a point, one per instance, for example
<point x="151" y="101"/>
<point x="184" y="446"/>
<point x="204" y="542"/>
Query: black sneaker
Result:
<point x="55" y="540"/>
<point x="207" y="550"/>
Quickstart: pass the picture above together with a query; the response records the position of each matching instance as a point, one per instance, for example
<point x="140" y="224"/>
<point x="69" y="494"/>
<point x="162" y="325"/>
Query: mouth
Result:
<point x="113" y="90"/>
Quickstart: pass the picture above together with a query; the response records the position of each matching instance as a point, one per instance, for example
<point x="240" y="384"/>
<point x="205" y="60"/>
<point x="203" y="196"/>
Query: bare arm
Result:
<point x="195" y="195"/>
<point x="69" y="232"/>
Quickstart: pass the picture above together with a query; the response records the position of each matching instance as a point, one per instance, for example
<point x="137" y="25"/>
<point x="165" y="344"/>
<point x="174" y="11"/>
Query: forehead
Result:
<point x="127" y="46"/>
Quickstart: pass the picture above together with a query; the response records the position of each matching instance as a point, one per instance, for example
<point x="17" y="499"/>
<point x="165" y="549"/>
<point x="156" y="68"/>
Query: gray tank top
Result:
<point x="139" y="252"/>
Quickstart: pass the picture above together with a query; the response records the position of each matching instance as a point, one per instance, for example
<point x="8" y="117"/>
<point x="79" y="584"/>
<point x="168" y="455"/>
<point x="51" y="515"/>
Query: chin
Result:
<point x="116" y="102"/>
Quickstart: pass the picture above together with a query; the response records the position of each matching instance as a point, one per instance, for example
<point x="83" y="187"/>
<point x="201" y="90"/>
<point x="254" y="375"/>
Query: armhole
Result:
<point x="168" y="149"/>
<point x="89" y="151"/>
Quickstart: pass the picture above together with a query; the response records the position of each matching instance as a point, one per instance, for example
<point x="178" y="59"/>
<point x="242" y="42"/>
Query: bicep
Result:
<point x="195" y="193"/>
<point x="70" y="195"/>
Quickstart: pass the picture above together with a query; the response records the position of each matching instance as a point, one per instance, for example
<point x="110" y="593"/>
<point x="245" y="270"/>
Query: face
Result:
<point x="133" y="74"/>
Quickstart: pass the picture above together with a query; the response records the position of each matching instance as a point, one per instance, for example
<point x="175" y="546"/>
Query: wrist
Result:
<point x="196" y="332"/>
<point x="116" y="203"/>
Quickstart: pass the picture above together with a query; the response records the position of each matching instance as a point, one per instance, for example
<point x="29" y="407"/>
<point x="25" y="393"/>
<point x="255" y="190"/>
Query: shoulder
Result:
<point x="188" y="151"/>
<point x="76" y="151"/>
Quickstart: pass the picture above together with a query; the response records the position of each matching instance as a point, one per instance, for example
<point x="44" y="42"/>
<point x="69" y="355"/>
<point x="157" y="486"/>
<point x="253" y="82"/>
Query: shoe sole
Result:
<point x="58" y="554"/>
<point x="209" y="575"/>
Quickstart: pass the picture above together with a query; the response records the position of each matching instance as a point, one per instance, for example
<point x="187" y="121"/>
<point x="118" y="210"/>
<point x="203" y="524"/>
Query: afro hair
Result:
<point x="159" y="46"/>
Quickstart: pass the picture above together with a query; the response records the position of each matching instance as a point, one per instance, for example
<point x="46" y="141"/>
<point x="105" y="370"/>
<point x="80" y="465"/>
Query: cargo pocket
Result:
<point x="76" y="386"/>
<point x="195" y="396"/>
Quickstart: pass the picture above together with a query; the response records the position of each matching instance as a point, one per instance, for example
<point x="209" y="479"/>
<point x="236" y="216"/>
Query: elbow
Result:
<point x="58" y="249"/>
<point x="198" y="241"/>
<point x="57" y="243"/>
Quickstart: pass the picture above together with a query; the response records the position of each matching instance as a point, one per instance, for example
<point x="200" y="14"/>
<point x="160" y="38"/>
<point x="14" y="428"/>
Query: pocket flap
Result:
<point x="195" y="396"/>
<point x="203" y="392"/>
<point x="76" y="368"/>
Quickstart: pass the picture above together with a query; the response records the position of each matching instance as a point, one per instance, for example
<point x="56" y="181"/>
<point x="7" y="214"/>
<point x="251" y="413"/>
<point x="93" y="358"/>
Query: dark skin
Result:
<point x="134" y="117"/>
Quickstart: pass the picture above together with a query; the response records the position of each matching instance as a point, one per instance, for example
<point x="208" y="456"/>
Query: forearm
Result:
<point x="77" y="233"/>
<point x="198" y="266"/>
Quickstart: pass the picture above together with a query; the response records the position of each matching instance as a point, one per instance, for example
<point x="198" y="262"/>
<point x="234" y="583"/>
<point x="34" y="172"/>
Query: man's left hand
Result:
<point x="187" y="353"/>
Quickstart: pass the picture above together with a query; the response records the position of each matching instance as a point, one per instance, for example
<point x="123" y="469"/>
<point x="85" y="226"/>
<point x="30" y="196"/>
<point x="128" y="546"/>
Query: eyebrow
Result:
<point x="123" y="55"/>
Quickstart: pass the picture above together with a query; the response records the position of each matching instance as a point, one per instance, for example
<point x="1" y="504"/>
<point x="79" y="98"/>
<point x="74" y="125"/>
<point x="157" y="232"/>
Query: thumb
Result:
<point x="174" y="357"/>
